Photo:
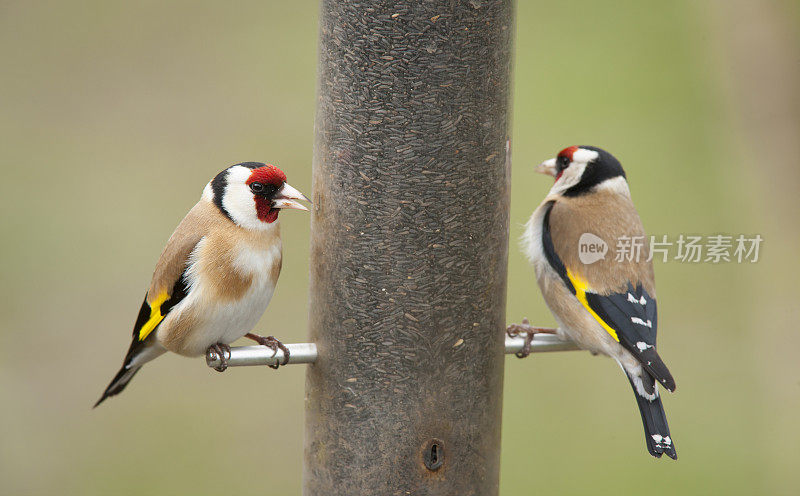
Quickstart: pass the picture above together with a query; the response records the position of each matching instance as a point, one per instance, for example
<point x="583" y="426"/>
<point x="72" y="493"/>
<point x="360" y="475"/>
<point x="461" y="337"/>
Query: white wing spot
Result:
<point x="637" y="320"/>
<point x="643" y="346"/>
<point x="641" y="301"/>
<point x="667" y="441"/>
<point x="657" y="438"/>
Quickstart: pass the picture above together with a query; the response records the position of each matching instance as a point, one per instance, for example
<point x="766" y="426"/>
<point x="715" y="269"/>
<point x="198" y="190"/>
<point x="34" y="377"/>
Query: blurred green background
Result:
<point x="113" y="116"/>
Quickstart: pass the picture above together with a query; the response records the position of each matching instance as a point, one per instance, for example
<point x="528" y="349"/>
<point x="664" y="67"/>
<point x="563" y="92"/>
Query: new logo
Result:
<point x="591" y="248"/>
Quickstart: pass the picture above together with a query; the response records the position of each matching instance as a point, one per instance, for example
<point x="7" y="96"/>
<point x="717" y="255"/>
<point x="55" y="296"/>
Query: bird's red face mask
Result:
<point x="555" y="166"/>
<point x="271" y="193"/>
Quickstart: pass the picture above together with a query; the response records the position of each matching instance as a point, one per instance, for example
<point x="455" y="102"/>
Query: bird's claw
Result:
<point x="515" y="330"/>
<point x="221" y="349"/>
<point x="526" y="328"/>
<point x="274" y="344"/>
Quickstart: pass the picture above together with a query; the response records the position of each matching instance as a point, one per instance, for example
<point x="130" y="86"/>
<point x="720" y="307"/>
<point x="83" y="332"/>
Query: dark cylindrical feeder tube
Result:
<point x="409" y="248"/>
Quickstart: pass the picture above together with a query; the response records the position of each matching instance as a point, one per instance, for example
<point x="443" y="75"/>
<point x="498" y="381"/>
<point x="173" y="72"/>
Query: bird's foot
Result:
<point x="529" y="331"/>
<point x="272" y="343"/>
<point x="221" y="349"/>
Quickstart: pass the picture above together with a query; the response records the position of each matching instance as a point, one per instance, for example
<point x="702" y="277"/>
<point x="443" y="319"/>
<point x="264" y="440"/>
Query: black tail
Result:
<point x="656" y="430"/>
<point x="139" y="353"/>
<point x="119" y="382"/>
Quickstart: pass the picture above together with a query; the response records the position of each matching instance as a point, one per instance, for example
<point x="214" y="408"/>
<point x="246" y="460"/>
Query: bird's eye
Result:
<point x="257" y="187"/>
<point x="562" y="163"/>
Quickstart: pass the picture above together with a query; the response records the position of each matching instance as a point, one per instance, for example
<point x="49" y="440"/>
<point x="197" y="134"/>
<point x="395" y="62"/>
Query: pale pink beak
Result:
<point x="547" y="167"/>
<point x="287" y="197"/>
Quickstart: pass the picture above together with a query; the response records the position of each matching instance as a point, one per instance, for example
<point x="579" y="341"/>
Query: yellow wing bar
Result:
<point x="580" y="291"/>
<point x="155" y="316"/>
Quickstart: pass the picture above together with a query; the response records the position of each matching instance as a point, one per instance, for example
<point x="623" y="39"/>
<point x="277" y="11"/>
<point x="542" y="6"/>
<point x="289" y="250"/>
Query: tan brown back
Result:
<point x="608" y="215"/>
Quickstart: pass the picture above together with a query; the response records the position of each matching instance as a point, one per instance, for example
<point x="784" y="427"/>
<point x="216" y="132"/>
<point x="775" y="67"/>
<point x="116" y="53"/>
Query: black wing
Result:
<point x="633" y="315"/>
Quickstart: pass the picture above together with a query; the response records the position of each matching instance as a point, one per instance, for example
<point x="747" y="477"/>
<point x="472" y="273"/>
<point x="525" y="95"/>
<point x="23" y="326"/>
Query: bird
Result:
<point x="217" y="273"/>
<point x="602" y="297"/>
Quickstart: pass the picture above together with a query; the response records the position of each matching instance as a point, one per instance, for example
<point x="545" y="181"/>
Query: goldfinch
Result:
<point x="217" y="273"/>
<point x="605" y="302"/>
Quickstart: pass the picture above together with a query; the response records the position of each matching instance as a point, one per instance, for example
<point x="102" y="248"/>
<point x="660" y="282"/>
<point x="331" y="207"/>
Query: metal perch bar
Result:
<point x="261" y="355"/>
<point x="307" y="352"/>
<point x="541" y="343"/>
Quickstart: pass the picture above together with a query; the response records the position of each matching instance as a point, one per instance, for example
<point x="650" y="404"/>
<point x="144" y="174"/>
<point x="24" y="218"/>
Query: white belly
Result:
<point x="230" y="321"/>
<point x="225" y="321"/>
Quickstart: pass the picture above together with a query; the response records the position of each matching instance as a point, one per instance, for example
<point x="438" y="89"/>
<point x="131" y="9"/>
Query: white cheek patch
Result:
<point x="238" y="199"/>
<point x="584" y="156"/>
<point x="569" y="178"/>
